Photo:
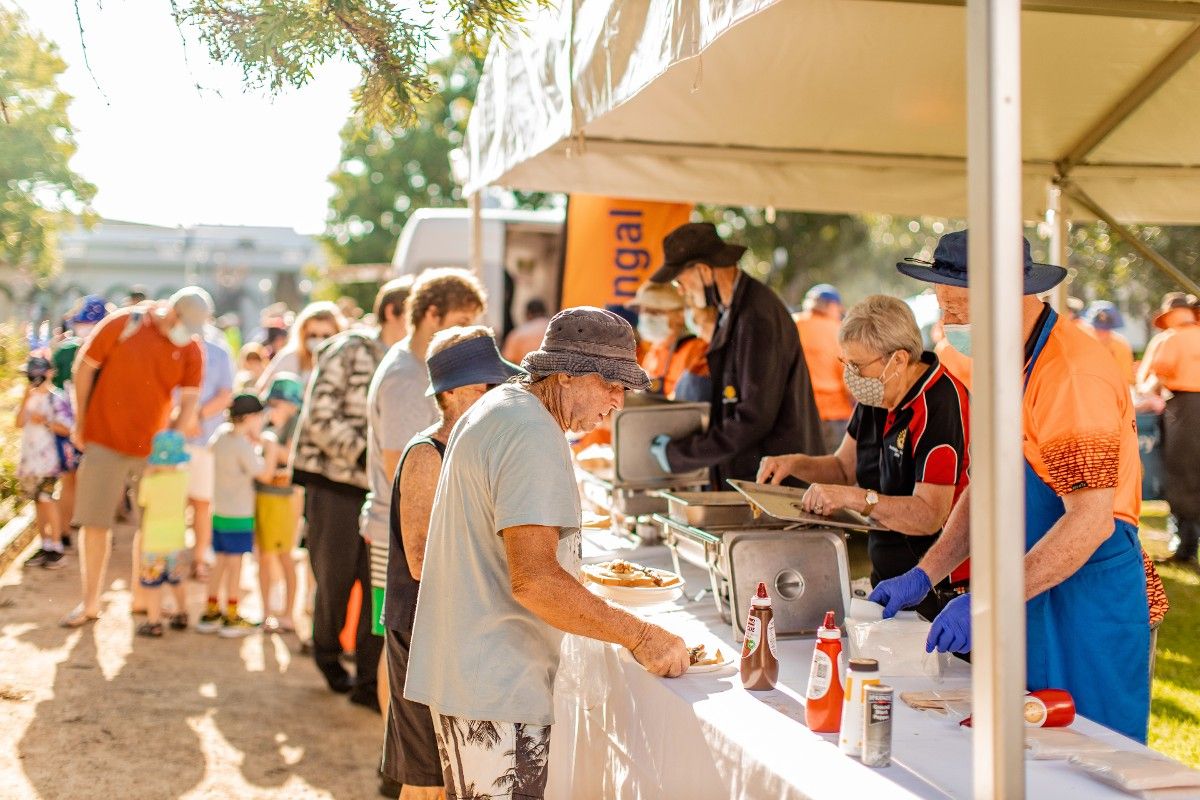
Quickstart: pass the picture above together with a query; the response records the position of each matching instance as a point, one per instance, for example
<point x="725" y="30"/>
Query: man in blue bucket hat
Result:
<point x="1085" y="581"/>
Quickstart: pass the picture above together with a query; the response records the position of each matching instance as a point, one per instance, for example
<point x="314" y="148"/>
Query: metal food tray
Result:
<point x="783" y="502"/>
<point x="708" y="509"/>
<point x="635" y="426"/>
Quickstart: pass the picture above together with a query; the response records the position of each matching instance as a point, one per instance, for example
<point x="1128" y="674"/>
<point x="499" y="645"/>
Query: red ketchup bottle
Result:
<point x="823" y="708"/>
<point x="760" y="667"/>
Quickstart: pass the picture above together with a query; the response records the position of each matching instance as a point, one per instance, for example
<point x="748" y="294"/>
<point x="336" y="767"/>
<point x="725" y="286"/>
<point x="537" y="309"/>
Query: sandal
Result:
<point x="151" y="629"/>
<point x="179" y="622"/>
<point x="77" y="618"/>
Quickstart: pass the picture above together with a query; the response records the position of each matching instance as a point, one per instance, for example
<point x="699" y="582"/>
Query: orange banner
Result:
<point x="613" y="246"/>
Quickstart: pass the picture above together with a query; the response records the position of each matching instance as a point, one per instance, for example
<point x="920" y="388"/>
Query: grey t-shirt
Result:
<point x="397" y="410"/>
<point x="476" y="652"/>
<point x="235" y="461"/>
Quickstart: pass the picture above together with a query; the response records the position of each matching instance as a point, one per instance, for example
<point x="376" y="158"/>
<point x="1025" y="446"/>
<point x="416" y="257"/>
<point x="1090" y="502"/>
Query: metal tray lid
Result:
<point x="783" y="502"/>
<point x="634" y="428"/>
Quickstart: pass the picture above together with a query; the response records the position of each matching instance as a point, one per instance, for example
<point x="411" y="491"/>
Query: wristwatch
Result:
<point x="872" y="501"/>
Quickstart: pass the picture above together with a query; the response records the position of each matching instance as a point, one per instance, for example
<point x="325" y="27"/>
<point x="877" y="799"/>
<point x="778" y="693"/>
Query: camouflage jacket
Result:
<point x="331" y="437"/>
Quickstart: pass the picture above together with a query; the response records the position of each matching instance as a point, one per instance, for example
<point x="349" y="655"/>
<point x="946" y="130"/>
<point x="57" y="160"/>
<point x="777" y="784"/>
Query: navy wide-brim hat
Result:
<point x="949" y="266"/>
<point x="469" y="362"/>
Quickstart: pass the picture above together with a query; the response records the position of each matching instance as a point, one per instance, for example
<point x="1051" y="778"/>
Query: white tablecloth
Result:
<point x="623" y="733"/>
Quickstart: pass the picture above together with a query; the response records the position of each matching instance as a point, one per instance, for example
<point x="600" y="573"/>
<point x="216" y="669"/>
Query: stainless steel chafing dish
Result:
<point x="630" y="490"/>
<point x="801" y="557"/>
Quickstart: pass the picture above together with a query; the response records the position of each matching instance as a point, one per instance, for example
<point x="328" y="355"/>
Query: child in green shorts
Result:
<point x="275" y="517"/>
<point x="238" y="463"/>
<point x="162" y="495"/>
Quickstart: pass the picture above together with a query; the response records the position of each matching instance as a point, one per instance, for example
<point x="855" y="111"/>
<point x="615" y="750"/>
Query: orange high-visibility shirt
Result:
<point x="819" y="341"/>
<point x="1174" y="357"/>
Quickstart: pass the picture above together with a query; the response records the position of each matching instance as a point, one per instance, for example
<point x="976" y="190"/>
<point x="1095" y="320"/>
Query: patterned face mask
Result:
<point x="868" y="391"/>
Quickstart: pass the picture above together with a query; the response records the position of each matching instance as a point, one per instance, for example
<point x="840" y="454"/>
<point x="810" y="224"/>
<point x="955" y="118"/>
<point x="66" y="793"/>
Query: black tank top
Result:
<point x="400" y="598"/>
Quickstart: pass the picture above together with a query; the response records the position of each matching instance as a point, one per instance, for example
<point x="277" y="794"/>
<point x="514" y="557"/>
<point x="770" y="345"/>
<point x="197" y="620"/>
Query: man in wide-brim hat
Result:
<point x="1087" y="615"/>
<point x="499" y="585"/>
<point x="1171" y="371"/>
<point x="761" y="400"/>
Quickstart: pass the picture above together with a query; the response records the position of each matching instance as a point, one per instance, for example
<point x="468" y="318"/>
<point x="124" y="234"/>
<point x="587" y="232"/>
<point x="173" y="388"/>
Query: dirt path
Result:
<point x="99" y="712"/>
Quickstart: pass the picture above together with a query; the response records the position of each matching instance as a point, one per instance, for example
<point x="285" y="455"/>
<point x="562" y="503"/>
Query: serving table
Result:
<point x="621" y="732"/>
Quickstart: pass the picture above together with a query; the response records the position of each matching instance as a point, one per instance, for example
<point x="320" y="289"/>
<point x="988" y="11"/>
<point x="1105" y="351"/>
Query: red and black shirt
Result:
<point x="922" y="440"/>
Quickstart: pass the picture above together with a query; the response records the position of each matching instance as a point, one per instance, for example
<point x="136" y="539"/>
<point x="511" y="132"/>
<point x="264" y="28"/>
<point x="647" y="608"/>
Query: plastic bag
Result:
<point x="1135" y="771"/>
<point x="1047" y="744"/>
<point x="898" y="644"/>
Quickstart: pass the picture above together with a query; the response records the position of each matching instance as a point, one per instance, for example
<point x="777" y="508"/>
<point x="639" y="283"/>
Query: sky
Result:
<point x="160" y="151"/>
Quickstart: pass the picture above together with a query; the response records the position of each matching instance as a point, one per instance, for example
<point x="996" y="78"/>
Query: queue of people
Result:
<point x="436" y="475"/>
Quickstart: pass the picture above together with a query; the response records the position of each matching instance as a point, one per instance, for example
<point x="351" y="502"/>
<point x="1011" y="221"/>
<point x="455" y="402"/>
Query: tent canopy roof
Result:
<point x="838" y="105"/>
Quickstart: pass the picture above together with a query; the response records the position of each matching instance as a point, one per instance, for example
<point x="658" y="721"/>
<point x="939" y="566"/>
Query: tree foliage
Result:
<point x="40" y="191"/>
<point x="282" y="43"/>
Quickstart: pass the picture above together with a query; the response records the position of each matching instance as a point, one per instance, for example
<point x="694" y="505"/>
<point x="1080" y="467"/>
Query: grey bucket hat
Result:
<point x="585" y="340"/>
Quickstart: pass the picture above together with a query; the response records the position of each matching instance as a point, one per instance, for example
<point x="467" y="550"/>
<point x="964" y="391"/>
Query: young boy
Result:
<point x="162" y="495"/>
<point x="238" y="463"/>
<point x="275" y="517"/>
<point x="43" y="415"/>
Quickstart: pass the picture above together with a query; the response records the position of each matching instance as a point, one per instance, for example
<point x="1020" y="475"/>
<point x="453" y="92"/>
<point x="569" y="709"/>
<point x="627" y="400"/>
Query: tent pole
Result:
<point x="997" y="477"/>
<point x="1060" y="248"/>
<point x="475" y="233"/>
<point x="1147" y="252"/>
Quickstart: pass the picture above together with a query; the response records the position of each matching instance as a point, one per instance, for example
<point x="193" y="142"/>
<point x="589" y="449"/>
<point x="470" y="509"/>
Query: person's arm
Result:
<point x="265" y="463"/>
<point x="837" y="469"/>
<point x="921" y="514"/>
<point x="337" y="422"/>
<point x="544" y="588"/>
<point x="418" y="485"/>
<point x="1068" y="545"/>
<point x="954" y="545"/>
<point x="1148" y="377"/>
<point x="189" y="401"/>
<point x="23" y="411"/>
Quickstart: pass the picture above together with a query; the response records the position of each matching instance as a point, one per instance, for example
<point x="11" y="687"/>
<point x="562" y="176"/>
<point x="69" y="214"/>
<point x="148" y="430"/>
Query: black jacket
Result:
<point x="762" y="401"/>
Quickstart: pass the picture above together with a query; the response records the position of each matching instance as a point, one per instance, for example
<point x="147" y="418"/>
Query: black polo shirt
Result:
<point x="923" y="440"/>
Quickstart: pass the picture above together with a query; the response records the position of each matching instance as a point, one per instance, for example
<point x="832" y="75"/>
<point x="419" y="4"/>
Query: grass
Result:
<point x="1175" y="694"/>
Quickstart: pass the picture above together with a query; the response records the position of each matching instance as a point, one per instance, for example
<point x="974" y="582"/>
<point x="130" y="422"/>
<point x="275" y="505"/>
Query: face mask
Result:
<point x="712" y="297"/>
<point x="959" y="337"/>
<point x="313" y="343"/>
<point x="654" y="327"/>
<point x="179" y="335"/>
<point x="868" y="391"/>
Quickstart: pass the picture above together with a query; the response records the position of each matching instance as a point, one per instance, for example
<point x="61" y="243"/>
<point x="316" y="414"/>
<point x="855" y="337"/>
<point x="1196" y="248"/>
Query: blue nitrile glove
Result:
<point x="901" y="592"/>
<point x="658" y="449"/>
<point x="951" y="631"/>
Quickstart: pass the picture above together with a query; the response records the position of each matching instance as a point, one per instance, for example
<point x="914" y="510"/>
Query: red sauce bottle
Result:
<point x="760" y="667"/>
<point x="823" y="708"/>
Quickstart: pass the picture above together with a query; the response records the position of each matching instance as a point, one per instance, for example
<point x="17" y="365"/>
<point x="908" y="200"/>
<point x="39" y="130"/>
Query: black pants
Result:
<point x="410" y="754"/>
<point x="339" y="558"/>
<point x="1189" y="537"/>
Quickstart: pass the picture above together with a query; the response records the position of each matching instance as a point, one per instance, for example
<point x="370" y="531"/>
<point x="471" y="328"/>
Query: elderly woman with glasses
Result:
<point x="904" y="459"/>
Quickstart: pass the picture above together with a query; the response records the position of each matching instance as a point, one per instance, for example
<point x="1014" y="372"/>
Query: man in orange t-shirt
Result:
<point x="1105" y="318"/>
<point x="818" y="323"/>
<point x="661" y="326"/>
<point x="1171" y="369"/>
<point x="125" y="375"/>
<point x="527" y="337"/>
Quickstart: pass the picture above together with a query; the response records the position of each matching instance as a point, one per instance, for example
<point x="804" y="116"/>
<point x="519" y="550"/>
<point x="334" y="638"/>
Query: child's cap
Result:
<point x="287" y="387"/>
<point x="167" y="449"/>
<point x="37" y="367"/>
<point x="92" y="311"/>
<point x="244" y="405"/>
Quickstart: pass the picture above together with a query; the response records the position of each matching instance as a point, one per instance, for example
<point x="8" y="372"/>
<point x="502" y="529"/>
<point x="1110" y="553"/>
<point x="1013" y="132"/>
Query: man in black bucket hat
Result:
<point x="762" y="401"/>
<point x="1087" y="620"/>
<point x="499" y="581"/>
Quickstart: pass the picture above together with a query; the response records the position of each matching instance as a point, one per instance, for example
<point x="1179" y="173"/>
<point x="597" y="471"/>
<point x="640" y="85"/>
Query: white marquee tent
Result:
<point x="877" y="105"/>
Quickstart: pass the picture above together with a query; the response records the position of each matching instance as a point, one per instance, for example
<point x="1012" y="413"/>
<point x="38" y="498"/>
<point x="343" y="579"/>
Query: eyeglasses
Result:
<point x="856" y="368"/>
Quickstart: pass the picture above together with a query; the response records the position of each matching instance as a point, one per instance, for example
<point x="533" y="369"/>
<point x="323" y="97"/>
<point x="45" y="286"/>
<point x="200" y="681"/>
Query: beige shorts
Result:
<point x="201" y="473"/>
<point x="104" y="477"/>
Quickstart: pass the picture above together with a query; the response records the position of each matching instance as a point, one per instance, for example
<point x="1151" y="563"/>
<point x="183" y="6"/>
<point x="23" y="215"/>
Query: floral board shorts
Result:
<point x="499" y="760"/>
<point x="160" y="568"/>
<point x="40" y="489"/>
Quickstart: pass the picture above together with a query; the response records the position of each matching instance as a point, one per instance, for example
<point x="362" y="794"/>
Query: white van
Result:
<point x="522" y="255"/>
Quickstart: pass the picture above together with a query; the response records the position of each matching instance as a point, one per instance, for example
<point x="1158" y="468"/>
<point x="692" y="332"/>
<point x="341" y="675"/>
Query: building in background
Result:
<point x="245" y="268"/>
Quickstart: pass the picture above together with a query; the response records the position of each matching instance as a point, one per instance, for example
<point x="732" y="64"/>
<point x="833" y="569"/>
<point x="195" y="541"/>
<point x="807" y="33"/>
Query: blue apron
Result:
<point x="1090" y="634"/>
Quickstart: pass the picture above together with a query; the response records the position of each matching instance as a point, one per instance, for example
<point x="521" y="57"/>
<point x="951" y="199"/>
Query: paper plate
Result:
<point x="637" y="596"/>
<point x="727" y="652"/>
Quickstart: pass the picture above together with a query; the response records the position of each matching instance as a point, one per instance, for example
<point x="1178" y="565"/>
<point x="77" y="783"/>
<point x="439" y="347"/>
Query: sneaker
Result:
<point x="37" y="559"/>
<point x="210" y="622"/>
<point x="179" y="621"/>
<point x="236" y="626"/>
<point x="53" y="560"/>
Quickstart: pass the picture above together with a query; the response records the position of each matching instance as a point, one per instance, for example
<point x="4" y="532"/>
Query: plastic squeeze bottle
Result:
<point x="823" y="709"/>
<point x="760" y="667"/>
<point x="863" y="672"/>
